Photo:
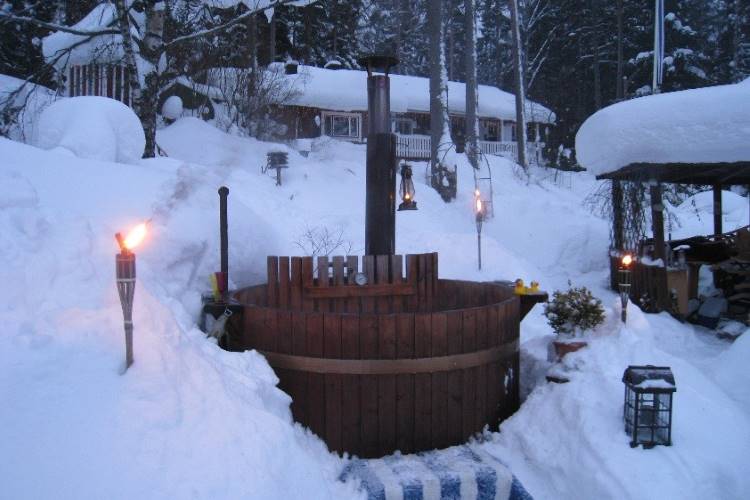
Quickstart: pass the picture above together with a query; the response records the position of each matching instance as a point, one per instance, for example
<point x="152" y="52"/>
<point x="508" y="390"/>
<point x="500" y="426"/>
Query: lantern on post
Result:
<point x="648" y="405"/>
<point x="406" y="189"/>
<point x="624" y="284"/>
<point x="125" y="276"/>
<point x="479" y="209"/>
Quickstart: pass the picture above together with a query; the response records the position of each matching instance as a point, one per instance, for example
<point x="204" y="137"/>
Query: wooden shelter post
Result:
<point x="618" y="239"/>
<point x="717" y="210"/>
<point x="657" y="222"/>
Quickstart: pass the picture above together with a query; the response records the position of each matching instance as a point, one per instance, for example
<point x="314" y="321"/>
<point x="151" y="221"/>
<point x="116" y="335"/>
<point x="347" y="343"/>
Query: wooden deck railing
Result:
<point x="416" y="147"/>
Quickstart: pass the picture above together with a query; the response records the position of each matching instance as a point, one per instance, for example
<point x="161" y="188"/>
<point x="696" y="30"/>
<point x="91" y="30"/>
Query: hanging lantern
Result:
<point x="406" y="189"/>
<point x="648" y="405"/>
<point x="624" y="273"/>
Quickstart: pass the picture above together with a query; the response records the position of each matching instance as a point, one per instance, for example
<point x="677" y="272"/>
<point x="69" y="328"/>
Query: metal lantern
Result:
<point x="125" y="276"/>
<point x="406" y="189"/>
<point x="624" y="273"/>
<point x="648" y="405"/>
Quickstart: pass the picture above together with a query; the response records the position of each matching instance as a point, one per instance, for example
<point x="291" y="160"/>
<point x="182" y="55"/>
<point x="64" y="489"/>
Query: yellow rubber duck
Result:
<point x="534" y="287"/>
<point x="520" y="289"/>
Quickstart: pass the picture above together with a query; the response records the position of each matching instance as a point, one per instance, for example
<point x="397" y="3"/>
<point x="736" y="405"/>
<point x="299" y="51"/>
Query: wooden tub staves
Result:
<point x="405" y="362"/>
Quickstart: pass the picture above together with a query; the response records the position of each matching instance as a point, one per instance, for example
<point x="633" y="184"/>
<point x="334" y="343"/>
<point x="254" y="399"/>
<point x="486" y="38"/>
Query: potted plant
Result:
<point x="571" y="314"/>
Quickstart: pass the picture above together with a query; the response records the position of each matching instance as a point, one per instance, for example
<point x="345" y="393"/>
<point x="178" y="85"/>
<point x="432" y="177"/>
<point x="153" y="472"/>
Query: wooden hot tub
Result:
<point x="406" y="362"/>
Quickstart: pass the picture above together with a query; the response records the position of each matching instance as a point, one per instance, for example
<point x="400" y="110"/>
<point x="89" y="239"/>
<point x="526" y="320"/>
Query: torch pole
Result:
<point x="125" y="274"/>
<point x="479" y="238"/>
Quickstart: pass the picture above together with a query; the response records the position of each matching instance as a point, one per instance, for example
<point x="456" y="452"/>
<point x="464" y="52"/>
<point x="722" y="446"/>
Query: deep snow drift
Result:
<point x="189" y="420"/>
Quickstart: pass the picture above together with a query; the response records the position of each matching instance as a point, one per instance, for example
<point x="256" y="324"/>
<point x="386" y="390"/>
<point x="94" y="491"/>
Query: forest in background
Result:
<point x="573" y="52"/>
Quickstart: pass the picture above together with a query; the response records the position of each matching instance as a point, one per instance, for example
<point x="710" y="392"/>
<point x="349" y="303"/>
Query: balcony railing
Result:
<point x="417" y="147"/>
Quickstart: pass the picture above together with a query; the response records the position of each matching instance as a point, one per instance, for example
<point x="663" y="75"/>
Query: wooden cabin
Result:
<point x="333" y="103"/>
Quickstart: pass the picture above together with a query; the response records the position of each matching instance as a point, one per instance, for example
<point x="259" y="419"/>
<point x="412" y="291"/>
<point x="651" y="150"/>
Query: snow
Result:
<point x="30" y="99"/>
<point x="62" y="49"/>
<point x="694" y="216"/>
<point x="704" y="125"/>
<point x="98" y="128"/>
<point x="346" y="90"/>
<point x="190" y="420"/>
<point x="655" y="384"/>
<point x="172" y="107"/>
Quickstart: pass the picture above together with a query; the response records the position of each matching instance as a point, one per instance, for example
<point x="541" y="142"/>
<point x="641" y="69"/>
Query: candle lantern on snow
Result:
<point x="648" y="405"/>
<point x="125" y="275"/>
<point x="624" y="284"/>
<point x="406" y="189"/>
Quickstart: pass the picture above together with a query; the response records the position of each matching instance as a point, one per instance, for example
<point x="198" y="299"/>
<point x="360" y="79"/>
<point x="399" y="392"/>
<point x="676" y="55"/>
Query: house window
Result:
<point x="403" y="126"/>
<point x="490" y="131"/>
<point x="342" y="125"/>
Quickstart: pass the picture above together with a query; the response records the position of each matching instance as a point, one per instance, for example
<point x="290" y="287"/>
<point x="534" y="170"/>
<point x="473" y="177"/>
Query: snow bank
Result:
<point x="568" y="440"/>
<point x="91" y="127"/>
<point x="346" y="90"/>
<point x="694" y="216"/>
<point x="691" y="126"/>
<point x="188" y="420"/>
<point x="28" y="100"/>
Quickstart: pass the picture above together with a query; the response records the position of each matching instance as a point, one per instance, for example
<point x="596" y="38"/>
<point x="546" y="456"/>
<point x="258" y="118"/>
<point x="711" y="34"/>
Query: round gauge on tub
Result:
<point x="360" y="279"/>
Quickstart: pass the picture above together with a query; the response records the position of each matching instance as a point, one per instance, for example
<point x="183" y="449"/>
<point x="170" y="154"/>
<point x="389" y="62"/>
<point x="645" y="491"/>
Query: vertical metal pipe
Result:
<point x="223" y="193"/>
<point x="380" y="209"/>
<point x="718" y="229"/>
<point x="379" y="104"/>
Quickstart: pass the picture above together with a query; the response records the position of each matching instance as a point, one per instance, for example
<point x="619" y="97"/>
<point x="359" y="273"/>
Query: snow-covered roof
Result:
<point x="346" y="90"/>
<point x="102" y="48"/>
<point x="698" y="126"/>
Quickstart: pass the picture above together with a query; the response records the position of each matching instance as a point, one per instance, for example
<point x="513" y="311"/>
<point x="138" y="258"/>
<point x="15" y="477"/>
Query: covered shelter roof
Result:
<point x="697" y="136"/>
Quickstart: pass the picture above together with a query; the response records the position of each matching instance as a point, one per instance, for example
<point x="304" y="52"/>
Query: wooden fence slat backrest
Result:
<point x="352" y="268"/>
<point x="327" y="284"/>
<point x="272" y="269"/>
<point x="322" y="305"/>
<point x="284" y="282"/>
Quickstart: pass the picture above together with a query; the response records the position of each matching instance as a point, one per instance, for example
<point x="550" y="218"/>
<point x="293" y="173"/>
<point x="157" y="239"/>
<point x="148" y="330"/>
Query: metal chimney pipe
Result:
<point x="223" y="194"/>
<point x="380" y="211"/>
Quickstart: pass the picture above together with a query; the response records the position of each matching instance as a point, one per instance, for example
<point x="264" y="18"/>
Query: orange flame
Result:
<point x="135" y="236"/>
<point x="627" y="259"/>
<point x="479" y="205"/>
<point x="407" y="196"/>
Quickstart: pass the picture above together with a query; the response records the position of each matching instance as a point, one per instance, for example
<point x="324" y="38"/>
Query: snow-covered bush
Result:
<point x="97" y="128"/>
<point x="574" y="312"/>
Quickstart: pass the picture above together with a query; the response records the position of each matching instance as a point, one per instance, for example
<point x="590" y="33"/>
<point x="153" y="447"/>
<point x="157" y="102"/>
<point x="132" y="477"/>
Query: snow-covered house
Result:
<point x="334" y="103"/>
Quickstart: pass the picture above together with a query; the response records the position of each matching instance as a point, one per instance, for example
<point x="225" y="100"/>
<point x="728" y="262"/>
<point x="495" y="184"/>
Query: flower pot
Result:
<point x="563" y="347"/>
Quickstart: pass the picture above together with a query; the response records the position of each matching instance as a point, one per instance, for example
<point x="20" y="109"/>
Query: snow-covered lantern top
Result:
<point x="333" y="64"/>
<point x="648" y="405"/>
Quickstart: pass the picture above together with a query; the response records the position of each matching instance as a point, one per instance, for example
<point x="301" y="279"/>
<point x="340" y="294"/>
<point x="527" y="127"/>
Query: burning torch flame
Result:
<point x="479" y="205"/>
<point x="133" y="239"/>
<point x="627" y="259"/>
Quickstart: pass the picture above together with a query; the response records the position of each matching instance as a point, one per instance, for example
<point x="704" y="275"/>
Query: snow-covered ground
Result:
<point x="190" y="420"/>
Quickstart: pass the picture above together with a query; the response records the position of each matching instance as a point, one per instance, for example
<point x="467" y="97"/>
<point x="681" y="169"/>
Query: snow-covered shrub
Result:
<point x="573" y="312"/>
<point x="92" y="127"/>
